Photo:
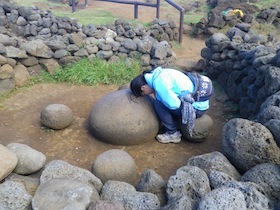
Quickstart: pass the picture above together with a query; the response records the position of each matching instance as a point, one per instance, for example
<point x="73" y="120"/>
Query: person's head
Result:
<point x="139" y="86"/>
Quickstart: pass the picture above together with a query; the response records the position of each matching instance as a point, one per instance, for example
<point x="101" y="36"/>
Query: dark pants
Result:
<point x="171" y="119"/>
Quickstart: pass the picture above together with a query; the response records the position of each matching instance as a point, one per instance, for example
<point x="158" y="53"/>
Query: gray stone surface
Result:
<point x="114" y="164"/>
<point x="57" y="194"/>
<point x="30" y="183"/>
<point x="246" y="144"/>
<point x="218" y="178"/>
<point x="189" y="181"/>
<point x="57" y="169"/>
<point x="151" y="182"/>
<point x="214" y="161"/>
<point x="223" y="198"/>
<point x="120" y="118"/>
<point x="128" y="196"/>
<point x="183" y="202"/>
<point x="201" y="130"/>
<point x="254" y="195"/>
<point x="106" y="205"/>
<point x="267" y="176"/>
<point x="274" y="126"/>
<point x="29" y="159"/>
<point x="56" y="116"/>
<point x="14" y="196"/>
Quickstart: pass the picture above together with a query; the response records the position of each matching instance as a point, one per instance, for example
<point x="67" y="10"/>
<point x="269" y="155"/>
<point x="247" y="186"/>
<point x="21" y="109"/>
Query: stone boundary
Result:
<point x="220" y="17"/>
<point x="33" y="40"/>
<point x="247" y="65"/>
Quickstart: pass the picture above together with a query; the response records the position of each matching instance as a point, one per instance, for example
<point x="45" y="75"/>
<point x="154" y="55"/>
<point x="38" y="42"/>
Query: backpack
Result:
<point x="203" y="87"/>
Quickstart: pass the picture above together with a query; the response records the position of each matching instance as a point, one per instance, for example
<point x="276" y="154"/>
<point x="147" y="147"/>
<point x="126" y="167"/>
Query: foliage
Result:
<point x="93" y="72"/>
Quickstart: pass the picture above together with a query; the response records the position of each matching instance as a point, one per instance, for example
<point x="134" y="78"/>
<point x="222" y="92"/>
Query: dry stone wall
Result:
<point x="247" y="65"/>
<point x="34" y="40"/>
<point x="220" y="16"/>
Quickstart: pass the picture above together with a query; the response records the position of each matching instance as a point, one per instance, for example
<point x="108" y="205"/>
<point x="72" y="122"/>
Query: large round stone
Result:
<point x="201" y="130"/>
<point x="56" y="116"/>
<point x="114" y="164"/>
<point x="122" y="119"/>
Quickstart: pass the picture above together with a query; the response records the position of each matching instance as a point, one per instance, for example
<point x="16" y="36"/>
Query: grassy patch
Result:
<point x="83" y="16"/>
<point x="266" y="3"/>
<point x="191" y="18"/>
<point x="86" y="17"/>
<point x="93" y="72"/>
<point x="194" y="16"/>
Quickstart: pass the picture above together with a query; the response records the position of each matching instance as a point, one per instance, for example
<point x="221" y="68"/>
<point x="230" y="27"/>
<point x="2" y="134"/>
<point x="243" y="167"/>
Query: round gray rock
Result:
<point x="56" y="116"/>
<point x="114" y="164"/>
<point x="120" y="118"/>
<point x="201" y="130"/>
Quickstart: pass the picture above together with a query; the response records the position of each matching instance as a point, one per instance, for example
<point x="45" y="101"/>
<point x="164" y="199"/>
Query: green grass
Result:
<point x="266" y="3"/>
<point x="83" y="16"/>
<point x="86" y="17"/>
<point x="191" y="18"/>
<point x="93" y="72"/>
<point x="194" y="16"/>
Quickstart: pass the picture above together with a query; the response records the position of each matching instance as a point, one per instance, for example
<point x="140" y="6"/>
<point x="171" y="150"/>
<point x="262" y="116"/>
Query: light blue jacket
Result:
<point x="169" y="85"/>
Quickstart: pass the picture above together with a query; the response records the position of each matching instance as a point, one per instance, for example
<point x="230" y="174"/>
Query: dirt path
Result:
<point x="20" y="122"/>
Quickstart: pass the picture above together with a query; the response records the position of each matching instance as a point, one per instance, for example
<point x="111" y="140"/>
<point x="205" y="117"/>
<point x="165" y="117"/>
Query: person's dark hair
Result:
<point x="137" y="83"/>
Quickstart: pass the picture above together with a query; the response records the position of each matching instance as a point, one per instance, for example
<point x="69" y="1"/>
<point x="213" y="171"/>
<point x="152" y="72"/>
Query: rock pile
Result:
<point x="247" y="65"/>
<point x="219" y="17"/>
<point x="33" y="40"/>
<point x="207" y="181"/>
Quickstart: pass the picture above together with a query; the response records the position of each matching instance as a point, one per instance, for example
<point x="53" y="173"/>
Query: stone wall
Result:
<point x="247" y="65"/>
<point x="33" y="40"/>
<point x="218" y="18"/>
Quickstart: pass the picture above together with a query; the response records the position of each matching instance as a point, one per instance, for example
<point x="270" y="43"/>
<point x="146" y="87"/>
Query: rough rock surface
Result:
<point x="214" y="161"/>
<point x="151" y="182"/>
<point x="189" y="181"/>
<point x="246" y="144"/>
<point x="127" y="194"/>
<point x="266" y="175"/>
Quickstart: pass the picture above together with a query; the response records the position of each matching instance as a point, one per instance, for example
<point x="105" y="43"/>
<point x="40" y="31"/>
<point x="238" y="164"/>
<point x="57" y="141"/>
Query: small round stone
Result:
<point x="201" y="130"/>
<point x="56" y="116"/>
<point x="114" y="164"/>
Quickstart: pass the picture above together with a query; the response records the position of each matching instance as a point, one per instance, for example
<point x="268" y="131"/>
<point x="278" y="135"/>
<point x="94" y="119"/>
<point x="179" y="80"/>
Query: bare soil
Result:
<point x="20" y="117"/>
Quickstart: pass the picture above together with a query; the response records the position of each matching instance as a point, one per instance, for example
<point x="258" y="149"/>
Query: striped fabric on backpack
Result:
<point x="203" y="87"/>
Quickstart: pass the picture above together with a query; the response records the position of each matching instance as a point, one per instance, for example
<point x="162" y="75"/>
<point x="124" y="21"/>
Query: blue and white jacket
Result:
<point x="170" y="85"/>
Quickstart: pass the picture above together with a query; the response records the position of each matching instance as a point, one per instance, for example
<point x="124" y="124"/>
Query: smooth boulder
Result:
<point x="120" y="118"/>
<point x="201" y="130"/>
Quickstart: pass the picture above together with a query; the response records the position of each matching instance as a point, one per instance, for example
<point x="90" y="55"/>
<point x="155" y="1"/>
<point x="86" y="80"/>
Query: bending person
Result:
<point x="178" y="98"/>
